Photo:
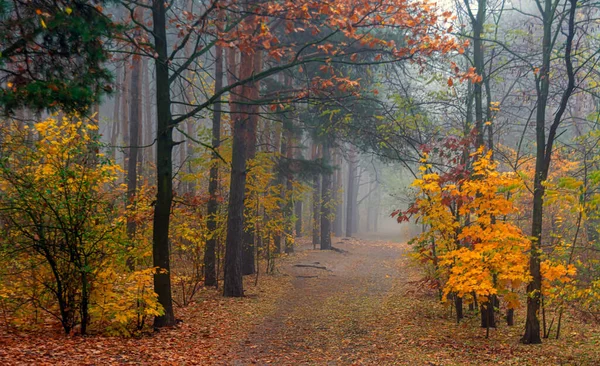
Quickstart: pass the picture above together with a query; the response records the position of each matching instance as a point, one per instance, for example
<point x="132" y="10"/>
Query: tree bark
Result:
<point x="210" y="275"/>
<point x="316" y="198"/>
<point x="351" y="195"/>
<point x="337" y="193"/>
<point x="135" y="120"/>
<point x="326" y="200"/>
<point x="244" y="134"/>
<point x="114" y="135"/>
<point x="249" y="246"/>
<point x="288" y="207"/>
<point x="164" y="169"/>
<point x="478" y="23"/>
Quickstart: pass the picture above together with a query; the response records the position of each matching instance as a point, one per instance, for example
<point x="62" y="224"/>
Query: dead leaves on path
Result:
<point x="364" y="312"/>
<point x="210" y="329"/>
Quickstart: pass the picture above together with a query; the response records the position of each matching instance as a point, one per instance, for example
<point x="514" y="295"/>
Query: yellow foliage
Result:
<point x="62" y="207"/>
<point x="477" y="252"/>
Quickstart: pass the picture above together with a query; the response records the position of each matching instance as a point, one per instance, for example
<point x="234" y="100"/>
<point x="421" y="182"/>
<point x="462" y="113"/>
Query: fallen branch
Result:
<point x="310" y="266"/>
<point x="340" y="250"/>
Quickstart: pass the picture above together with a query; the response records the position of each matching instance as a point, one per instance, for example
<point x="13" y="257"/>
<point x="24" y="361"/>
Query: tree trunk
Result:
<point x="114" y="135"/>
<point x="350" y="196"/>
<point x="337" y="193"/>
<point x="249" y="247"/>
<point x="210" y="275"/>
<point x="135" y="119"/>
<point x="543" y="159"/>
<point x="458" y="304"/>
<point x="298" y="214"/>
<point x="148" y="120"/>
<point x="316" y="198"/>
<point x="244" y="134"/>
<point x="488" y="318"/>
<point x="288" y="203"/>
<point x="298" y="201"/>
<point x="326" y="200"/>
<point x="164" y="170"/>
<point x="532" y="322"/>
<point x="510" y="317"/>
<point x="124" y="120"/>
<point x="478" y="23"/>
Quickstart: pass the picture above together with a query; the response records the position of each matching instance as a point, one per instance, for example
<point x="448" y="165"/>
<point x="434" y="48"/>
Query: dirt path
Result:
<point x="370" y="307"/>
<point x="328" y="314"/>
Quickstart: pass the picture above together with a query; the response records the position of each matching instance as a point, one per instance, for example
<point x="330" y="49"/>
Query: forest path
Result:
<point x="333" y="312"/>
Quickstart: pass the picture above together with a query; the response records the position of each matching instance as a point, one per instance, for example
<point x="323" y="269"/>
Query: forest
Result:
<point x="340" y="182"/>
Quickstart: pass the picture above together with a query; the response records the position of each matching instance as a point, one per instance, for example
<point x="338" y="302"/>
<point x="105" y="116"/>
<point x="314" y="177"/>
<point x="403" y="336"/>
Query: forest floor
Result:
<point x="363" y="304"/>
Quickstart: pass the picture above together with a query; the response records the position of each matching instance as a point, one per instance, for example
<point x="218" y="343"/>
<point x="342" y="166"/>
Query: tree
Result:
<point x="544" y="153"/>
<point x="326" y="199"/>
<point x="164" y="168"/>
<point x="57" y="205"/>
<point x="210" y="275"/>
<point x="53" y="54"/>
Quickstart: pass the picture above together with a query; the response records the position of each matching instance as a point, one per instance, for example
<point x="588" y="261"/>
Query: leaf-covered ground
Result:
<point x="357" y="306"/>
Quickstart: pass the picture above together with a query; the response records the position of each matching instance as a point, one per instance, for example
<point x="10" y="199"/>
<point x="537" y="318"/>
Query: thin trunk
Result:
<point x="316" y="198"/>
<point x="326" y="199"/>
<point x="298" y="201"/>
<point x="114" y="136"/>
<point x="543" y="159"/>
<point x="288" y="207"/>
<point x="458" y="304"/>
<point x="351" y="196"/>
<point x="124" y="120"/>
<point x="337" y="193"/>
<point x="478" y="23"/>
<point x="148" y="117"/>
<point x="298" y="215"/>
<point x="210" y="275"/>
<point x="248" y="246"/>
<point x="135" y="116"/>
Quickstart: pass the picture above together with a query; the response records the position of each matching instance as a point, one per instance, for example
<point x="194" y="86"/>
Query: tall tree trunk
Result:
<point x="337" y="193"/>
<point x="532" y="322"/>
<point x="351" y="194"/>
<point x="164" y="169"/>
<point x="210" y="275"/>
<point x="478" y="23"/>
<point x="356" y="211"/>
<point x="124" y="120"/>
<point x="114" y="135"/>
<point x="377" y="208"/>
<point x="288" y="207"/>
<point x="316" y="198"/>
<point x="278" y="147"/>
<point x="148" y="119"/>
<point x="326" y="199"/>
<point x="249" y="246"/>
<point x="298" y="213"/>
<point x="135" y="117"/>
<point x="244" y="134"/>
<point x="543" y="159"/>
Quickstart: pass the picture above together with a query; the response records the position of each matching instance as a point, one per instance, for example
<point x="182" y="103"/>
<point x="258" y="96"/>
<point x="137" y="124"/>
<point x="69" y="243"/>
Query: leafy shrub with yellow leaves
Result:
<point x="62" y="250"/>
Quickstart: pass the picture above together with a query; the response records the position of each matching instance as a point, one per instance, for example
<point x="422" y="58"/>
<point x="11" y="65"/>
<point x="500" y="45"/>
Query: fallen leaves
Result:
<point x="363" y="312"/>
